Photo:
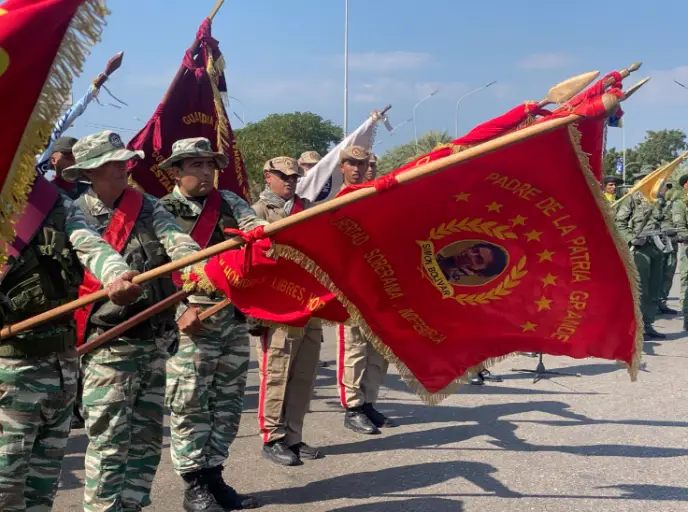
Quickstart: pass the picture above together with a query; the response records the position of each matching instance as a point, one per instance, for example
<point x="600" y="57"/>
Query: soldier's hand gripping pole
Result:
<point x="609" y="101"/>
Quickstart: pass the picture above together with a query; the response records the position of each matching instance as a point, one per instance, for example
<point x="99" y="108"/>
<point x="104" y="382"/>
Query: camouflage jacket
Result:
<point x="679" y="215"/>
<point x="632" y="214"/>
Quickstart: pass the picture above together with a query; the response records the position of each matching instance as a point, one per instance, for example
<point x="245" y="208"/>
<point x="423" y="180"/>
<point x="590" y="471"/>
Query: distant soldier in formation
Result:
<point x="360" y="367"/>
<point x="610" y="184"/>
<point x="635" y="216"/>
<point x="206" y="378"/>
<point x="124" y="380"/>
<point x="287" y="362"/>
<point x="371" y="171"/>
<point x="308" y="160"/>
<point x="38" y="368"/>
<point x="680" y="218"/>
<point x="671" y="196"/>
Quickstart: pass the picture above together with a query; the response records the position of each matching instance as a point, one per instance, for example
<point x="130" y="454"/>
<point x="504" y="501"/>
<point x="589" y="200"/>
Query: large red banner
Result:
<point x="191" y="108"/>
<point x="511" y="251"/>
<point x="37" y="63"/>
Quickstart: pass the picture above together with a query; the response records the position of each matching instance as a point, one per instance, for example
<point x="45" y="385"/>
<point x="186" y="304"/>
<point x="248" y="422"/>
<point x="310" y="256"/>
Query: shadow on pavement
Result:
<point x="413" y="505"/>
<point x="650" y="492"/>
<point x="374" y="484"/>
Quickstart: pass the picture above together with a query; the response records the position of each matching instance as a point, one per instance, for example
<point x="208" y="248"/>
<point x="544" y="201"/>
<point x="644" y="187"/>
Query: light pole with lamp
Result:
<point x="466" y="96"/>
<point x="415" y="131"/>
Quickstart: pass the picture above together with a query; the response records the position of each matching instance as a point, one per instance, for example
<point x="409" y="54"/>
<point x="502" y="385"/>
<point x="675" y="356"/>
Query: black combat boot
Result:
<point x="225" y="495"/>
<point x="685" y="321"/>
<point x="197" y="496"/>
<point x="304" y="451"/>
<point x="378" y="419"/>
<point x="356" y="420"/>
<point x="652" y="334"/>
<point x="666" y="310"/>
<point x="279" y="453"/>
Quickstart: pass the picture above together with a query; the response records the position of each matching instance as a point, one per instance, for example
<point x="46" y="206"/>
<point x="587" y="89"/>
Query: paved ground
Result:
<point x="594" y="443"/>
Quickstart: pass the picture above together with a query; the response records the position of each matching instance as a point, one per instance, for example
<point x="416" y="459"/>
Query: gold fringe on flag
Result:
<point x="84" y="31"/>
<point x="215" y="70"/>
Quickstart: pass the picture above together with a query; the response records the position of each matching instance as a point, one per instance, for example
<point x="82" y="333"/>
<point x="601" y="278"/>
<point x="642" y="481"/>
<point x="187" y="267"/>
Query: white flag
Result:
<point x="324" y="180"/>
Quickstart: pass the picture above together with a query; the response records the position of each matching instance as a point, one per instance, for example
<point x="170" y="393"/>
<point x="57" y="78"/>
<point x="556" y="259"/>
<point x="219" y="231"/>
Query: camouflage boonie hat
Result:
<point x="284" y="164"/>
<point x="309" y="157"/>
<point x="95" y="150"/>
<point x="353" y="153"/>
<point x="373" y="158"/>
<point x="198" y="147"/>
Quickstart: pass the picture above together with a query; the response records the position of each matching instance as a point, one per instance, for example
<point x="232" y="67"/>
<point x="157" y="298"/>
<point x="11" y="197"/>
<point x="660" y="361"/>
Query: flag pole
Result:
<point x="609" y="101"/>
<point x="346" y="67"/>
<point x="192" y="49"/>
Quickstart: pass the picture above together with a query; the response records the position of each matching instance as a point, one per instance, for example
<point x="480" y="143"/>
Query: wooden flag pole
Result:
<point x="192" y="49"/>
<point x="610" y="103"/>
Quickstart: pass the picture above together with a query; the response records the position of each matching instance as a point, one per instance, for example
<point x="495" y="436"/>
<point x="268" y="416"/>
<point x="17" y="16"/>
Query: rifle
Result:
<point x="662" y="238"/>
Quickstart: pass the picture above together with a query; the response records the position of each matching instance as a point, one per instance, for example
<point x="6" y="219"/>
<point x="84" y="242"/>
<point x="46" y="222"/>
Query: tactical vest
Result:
<point x="47" y="274"/>
<point x="187" y="218"/>
<point x="142" y="252"/>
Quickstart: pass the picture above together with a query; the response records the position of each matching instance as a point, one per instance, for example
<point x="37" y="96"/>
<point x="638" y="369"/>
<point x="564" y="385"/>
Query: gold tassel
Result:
<point x="84" y="31"/>
<point x="621" y="247"/>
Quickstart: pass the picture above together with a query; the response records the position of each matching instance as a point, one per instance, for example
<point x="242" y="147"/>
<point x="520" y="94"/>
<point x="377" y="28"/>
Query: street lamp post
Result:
<point x="466" y="96"/>
<point x="415" y="131"/>
<point x="346" y="67"/>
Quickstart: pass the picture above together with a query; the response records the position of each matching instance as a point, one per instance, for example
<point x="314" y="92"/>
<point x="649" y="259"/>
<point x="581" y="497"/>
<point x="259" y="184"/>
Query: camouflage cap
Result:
<point x="309" y="157"/>
<point x="64" y="144"/>
<point x="682" y="180"/>
<point x="285" y="165"/>
<point x="198" y="147"/>
<point x="353" y="153"/>
<point x="95" y="150"/>
<point x="373" y="158"/>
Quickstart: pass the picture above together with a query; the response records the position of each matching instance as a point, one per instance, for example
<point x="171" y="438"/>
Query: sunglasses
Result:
<point x="284" y="177"/>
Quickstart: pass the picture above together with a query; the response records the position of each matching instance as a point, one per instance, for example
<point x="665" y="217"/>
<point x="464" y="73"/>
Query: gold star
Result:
<point x="494" y="207"/>
<point x="546" y="255"/>
<point x="462" y="196"/>
<point x="543" y="303"/>
<point x="548" y="280"/>
<point x="519" y="221"/>
<point x="533" y="235"/>
<point x="529" y="326"/>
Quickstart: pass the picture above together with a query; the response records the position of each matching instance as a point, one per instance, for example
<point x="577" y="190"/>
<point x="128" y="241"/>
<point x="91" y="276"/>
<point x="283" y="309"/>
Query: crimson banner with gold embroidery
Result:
<point x="511" y="251"/>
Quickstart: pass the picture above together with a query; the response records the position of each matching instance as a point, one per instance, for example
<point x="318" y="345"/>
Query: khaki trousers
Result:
<point x="287" y="367"/>
<point x="360" y="368"/>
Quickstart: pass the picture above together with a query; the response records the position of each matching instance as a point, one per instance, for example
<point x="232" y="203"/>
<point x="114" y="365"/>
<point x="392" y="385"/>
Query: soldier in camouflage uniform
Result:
<point x="670" y="256"/>
<point x="308" y="160"/>
<point x="287" y="362"/>
<point x="634" y="216"/>
<point x="38" y="367"/>
<point x="124" y="380"/>
<point x="206" y="378"/>
<point x="62" y="158"/>
<point x="679" y="212"/>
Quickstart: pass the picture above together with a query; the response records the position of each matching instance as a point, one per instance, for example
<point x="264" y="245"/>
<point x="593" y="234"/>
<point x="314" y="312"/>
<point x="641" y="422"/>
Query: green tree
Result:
<point x="283" y="135"/>
<point x="660" y="147"/>
<point x="401" y="155"/>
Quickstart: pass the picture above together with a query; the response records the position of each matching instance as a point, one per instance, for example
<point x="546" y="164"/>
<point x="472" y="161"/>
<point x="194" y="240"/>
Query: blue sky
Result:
<point x="287" y="55"/>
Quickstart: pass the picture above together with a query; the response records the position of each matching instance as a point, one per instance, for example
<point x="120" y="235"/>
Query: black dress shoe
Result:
<point x="377" y="418"/>
<point x="486" y="375"/>
<point x="357" y="421"/>
<point x="477" y="380"/>
<point x="303" y="451"/>
<point x="279" y="453"/>
<point x="652" y="334"/>
<point x="225" y="495"/>
<point x="323" y="364"/>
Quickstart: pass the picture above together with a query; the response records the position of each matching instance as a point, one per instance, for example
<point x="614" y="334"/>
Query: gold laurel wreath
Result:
<point x="511" y="281"/>
<point x="489" y="228"/>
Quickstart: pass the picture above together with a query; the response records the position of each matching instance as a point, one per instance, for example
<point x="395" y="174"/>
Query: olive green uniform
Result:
<point x="671" y="256"/>
<point x="635" y="215"/>
<point x="679" y="211"/>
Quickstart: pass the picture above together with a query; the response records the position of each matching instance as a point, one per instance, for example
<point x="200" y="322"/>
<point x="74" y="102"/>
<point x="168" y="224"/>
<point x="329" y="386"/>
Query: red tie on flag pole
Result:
<point x="512" y="251"/>
<point x="43" y="44"/>
<point x="191" y="107"/>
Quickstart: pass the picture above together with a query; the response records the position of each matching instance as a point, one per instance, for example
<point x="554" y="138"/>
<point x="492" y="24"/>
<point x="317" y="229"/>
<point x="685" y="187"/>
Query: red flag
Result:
<point x="511" y="251"/>
<point x="192" y="107"/>
<point x="39" y="54"/>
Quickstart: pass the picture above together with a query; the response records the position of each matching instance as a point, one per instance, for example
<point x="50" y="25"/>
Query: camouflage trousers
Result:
<point x="650" y="264"/>
<point x="123" y="397"/>
<point x="670" y="264"/>
<point x="36" y="402"/>
<point x="206" y="380"/>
